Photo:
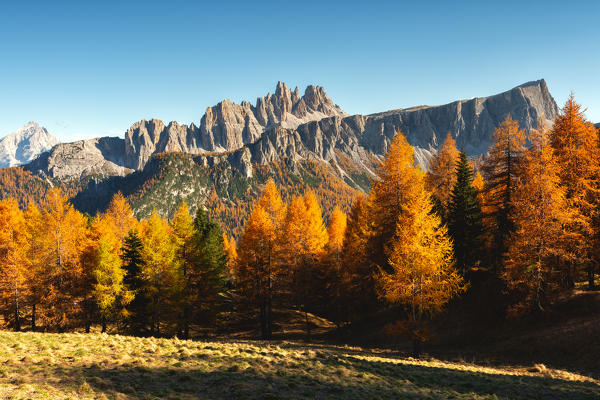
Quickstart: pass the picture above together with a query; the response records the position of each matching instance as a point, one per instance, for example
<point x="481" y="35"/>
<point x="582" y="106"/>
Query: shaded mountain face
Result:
<point x="24" y="145"/>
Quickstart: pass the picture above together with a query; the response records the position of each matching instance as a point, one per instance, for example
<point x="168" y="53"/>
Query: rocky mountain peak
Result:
<point x="25" y="144"/>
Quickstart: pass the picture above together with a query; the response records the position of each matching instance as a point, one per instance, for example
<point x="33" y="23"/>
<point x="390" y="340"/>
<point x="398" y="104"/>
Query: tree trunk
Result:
<point x="103" y="325"/>
<point x="263" y="320"/>
<point x="307" y="325"/>
<point x="591" y="276"/>
<point x="33" y="318"/>
<point x="416" y="348"/>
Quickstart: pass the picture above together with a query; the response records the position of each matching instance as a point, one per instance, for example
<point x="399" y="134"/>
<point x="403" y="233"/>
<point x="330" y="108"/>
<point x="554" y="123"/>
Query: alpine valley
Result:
<point x="302" y="141"/>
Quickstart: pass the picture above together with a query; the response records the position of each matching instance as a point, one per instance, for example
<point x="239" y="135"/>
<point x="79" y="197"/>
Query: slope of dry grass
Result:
<point x="99" y="366"/>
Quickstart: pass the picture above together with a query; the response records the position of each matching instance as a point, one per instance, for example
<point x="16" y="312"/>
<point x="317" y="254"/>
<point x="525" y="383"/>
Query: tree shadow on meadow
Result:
<point x="358" y="379"/>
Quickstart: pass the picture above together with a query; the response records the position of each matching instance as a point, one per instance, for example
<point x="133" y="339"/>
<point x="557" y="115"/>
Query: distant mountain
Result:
<point x="24" y="145"/>
<point x="597" y="125"/>
<point x="302" y="141"/>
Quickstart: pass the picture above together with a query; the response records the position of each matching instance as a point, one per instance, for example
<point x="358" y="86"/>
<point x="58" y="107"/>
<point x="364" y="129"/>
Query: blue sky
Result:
<point x="86" y="69"/>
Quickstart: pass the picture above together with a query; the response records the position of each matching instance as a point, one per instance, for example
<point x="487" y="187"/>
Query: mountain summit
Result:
<point x="25" y="144"/>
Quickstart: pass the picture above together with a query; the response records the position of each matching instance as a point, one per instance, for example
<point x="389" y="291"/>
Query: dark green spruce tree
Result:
<point x="465" y="218"/>
<point x="138" y="320"/>
<point x="207" y="282"/>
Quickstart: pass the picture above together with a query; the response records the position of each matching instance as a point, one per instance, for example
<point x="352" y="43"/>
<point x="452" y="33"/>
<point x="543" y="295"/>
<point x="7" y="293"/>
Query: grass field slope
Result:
<point x="100" y="366"/>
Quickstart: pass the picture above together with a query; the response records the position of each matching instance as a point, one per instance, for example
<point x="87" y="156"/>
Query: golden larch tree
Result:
<point x="575" y="144"/>
<point x="15" y="276"/>
<point x="545" y="236"/>
<point x="336" y="232"/>
<point x="501" y="171"/>
<point x="422" y="276"/>
<point x="442" y="173"/>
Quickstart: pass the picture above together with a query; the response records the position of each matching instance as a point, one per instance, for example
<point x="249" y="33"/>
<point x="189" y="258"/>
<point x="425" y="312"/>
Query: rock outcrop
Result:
<point x="229" y="126"/>
<point x="293" y="127"/>
<point x="24" y="145"/>
<point x="102" y="157"/>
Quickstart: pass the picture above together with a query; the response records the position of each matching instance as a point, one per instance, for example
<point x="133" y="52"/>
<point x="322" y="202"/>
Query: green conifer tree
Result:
<point x="137" y="321"/>
<point x="465" y="218"/>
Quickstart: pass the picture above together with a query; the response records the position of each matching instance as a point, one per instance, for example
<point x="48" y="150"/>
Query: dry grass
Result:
<point x="99" y="366"/>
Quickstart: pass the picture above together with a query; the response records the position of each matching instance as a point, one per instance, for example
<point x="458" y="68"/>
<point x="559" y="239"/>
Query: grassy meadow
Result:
<point x="101" y="366"/>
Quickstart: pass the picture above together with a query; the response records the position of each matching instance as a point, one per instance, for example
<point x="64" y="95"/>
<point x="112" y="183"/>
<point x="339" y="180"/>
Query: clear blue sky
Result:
<point x="85" y="70"/>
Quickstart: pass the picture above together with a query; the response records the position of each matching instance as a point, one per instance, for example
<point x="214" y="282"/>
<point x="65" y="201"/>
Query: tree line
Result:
<point x="526" y="219"/>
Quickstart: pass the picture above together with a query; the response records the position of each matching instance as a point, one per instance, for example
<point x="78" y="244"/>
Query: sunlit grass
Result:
<point x="99" y="366"/>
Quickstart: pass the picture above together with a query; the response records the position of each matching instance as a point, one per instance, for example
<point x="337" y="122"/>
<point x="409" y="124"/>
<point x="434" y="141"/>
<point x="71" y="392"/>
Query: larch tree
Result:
<point x="575" y="144"/>
<point x="422" y="277"/>
<point x="545" y="236"/>
<point x="257" y="264"/>
<point x="15" y="276"/>
<point x="35" y="258"/>
<point x="255" y="267"/>
<point x="396" y="176"/>
<point x="109" y="290"/>
<point x="358" y="277"/>
<point x="501" y="170"/>
<point x="230" y="247"/>
<point x="160" y="270"/>
<point x="303" y="237"/>
<point x="442" y="174"/>
<point x="66" y="236"/>
<point x="183" y="230"/>
<point x="464" y="218"/>
<point x="336" y="232"/>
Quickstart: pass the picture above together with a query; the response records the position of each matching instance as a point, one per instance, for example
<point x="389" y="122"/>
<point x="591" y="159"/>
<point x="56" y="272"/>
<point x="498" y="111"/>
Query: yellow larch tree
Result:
<point x="422" y="276"/>
<point x="442" y="173"/>
<point x="160" y="271"/>
<point x="545" y="236"/>
<point x="396" y="177"/>
<point x="15" y="276"/>
<point x="336" y="232"/>
<point x="575" y="144"/>
<point x="303" y="238"/>
<point x="35" y="258"/>
<point x="257" y="267"/>
<point x="230" y="247"/>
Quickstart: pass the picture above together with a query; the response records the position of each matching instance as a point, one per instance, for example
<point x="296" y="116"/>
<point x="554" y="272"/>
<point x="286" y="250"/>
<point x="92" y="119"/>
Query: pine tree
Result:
<point x="422" y="276"/>
<point x="545" y="237"/>
<point x="208" y="277"/>
<point x="138" y="320"/>
<point x="15" y="277"/>
<point x="442" y="174"/>
<point x="575" y="144"/>
<point x="501" y="170"/>
<point x="464" y="218"/>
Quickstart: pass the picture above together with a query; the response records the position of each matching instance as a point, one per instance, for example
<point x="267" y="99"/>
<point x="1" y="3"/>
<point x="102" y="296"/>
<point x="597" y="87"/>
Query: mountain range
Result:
<point x="303" y="141"/>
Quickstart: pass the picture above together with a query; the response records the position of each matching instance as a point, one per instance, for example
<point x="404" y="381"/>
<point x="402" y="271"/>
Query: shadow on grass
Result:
<point x="332" y="377"/>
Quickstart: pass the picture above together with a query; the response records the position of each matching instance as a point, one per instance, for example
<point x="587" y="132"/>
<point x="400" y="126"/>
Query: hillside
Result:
<point x="99" y="366"/>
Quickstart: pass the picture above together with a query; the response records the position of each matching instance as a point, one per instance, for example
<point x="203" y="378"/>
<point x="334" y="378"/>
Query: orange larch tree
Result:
<point x="575" y="144"/>
<point x="336" y="232"/>
<point x="15" y="276"/>
<point x="66" y="236"/>
<point x="421" y="276"/>
<point x="545" y="236"/>
<point x="442" y="174"/>
<point x="501" y="171"/>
